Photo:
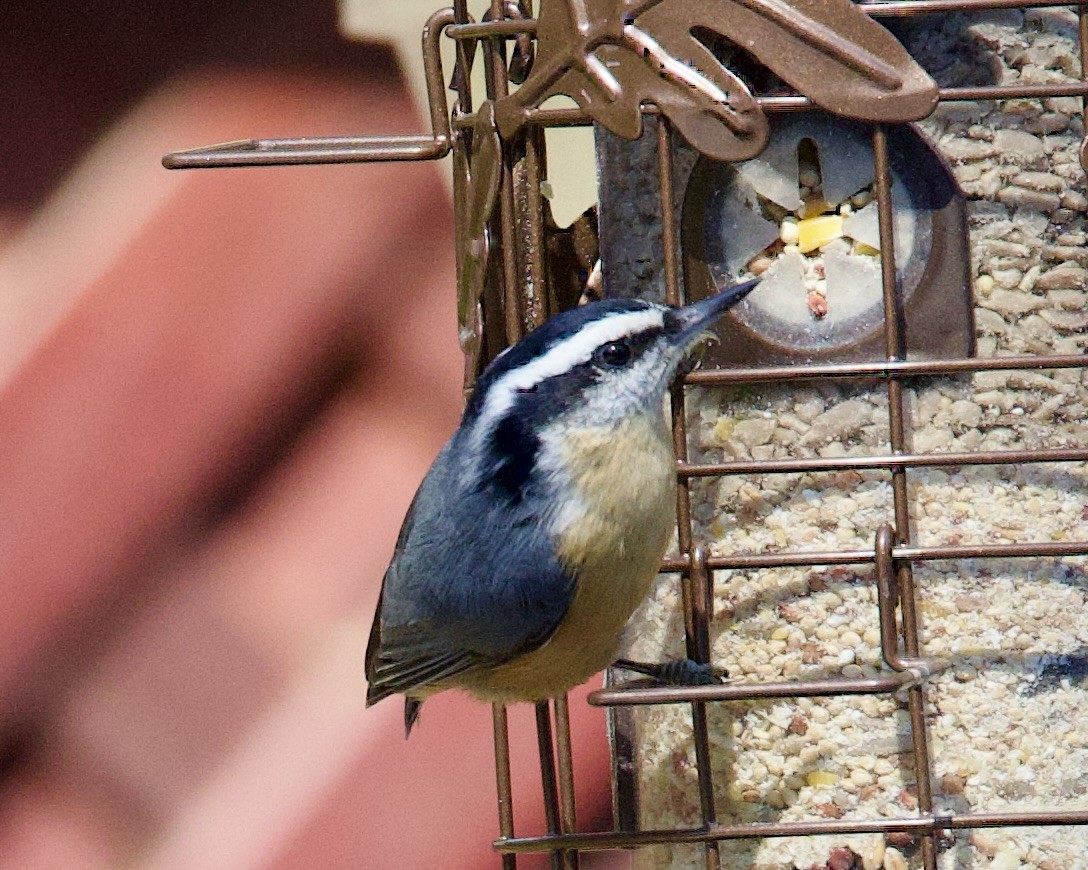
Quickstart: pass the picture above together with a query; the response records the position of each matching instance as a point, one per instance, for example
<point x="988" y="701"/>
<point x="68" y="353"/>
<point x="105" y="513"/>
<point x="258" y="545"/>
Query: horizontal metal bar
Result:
<point x="1027" y="550"/>
<point x="881" y="685"/>
<point x="886" y="368"/>
<point x="576" y="117"/>
<point x="797" y="102"/>
<point x="800" y="465"/>
<point x="507" y="27"/>
<point x="566" y="117"/>
<point x="347" y="149"/>
<point x="302" y="152"/>
<point x="882" y="8"/>
<point x="759" y="830"/>
<point x="776" y="560"/>
<point x="571" y="117"/>
<point x="916" y="554"/>
<point x="1013" y="92"/>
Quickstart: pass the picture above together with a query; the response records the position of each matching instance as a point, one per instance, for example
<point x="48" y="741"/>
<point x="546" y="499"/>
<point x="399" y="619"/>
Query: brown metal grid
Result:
<point x="518" y="281"/>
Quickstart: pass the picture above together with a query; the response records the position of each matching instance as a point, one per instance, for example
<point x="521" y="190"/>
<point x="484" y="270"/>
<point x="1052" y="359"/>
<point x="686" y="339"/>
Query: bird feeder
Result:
<point x="881" y="511"/>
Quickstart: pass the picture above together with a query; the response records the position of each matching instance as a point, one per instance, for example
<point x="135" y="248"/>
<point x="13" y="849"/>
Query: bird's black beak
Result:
<point x="688" y="324"/>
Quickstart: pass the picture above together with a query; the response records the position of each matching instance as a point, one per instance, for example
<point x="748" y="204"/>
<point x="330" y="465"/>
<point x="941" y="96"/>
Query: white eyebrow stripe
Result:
<point x="563" y="356"/>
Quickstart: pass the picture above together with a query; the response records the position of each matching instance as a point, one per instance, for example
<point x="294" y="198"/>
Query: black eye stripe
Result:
<point x="556" y="330"/>
<point x="636" y="345"/>
<point x="515" y="446"/>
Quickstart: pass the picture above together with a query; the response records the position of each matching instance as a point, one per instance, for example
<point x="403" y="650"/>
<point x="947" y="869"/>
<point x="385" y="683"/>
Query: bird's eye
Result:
<point x="615" y="353"/>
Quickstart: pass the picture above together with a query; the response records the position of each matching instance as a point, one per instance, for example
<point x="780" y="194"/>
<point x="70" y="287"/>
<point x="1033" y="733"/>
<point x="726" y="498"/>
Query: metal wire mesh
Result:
<point x="518" y="299"/>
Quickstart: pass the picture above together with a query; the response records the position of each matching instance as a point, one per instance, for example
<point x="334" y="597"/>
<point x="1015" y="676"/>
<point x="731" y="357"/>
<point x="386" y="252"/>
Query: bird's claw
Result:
<point x="678" y="672"/>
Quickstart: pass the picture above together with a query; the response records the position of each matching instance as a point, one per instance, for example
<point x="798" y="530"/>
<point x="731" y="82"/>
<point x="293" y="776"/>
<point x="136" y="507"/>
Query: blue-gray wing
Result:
<point x="473" y="582"/>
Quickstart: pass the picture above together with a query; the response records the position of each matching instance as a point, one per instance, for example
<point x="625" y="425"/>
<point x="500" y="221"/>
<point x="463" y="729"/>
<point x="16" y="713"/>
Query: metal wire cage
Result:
<point x="516" y="268"/>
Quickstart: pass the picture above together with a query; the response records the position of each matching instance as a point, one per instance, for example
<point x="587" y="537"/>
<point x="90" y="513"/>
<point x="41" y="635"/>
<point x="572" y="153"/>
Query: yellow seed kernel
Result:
<point x="821" y="778"/>
<point x="866" y="250"/>
<point x="724" y="428"/>
<point x="816" y="231"/>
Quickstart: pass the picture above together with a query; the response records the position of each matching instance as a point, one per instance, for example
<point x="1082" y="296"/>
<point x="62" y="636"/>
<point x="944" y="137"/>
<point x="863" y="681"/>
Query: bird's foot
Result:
<point x="678" y="672"/>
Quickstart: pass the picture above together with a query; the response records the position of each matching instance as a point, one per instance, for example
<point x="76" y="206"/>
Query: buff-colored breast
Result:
<point x="625" y="491"/>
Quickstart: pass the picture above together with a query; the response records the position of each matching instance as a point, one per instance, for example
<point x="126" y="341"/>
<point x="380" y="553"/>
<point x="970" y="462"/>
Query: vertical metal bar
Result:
<point x="673" y="297"/>
<point x="538" y="300"/>
<point x="1082" y="40"/>
<point x="1082" y="47"/>
<point x="461" y="143"/>
<point x="463" y="78"/>
<point x="568" y="822"/>
<point x="497" y="87"/>
<point x="694" y="590"/>
<point x="894" y="345"/>
<point x="887" y="595"/>
<point x="503" y="787"/>
<point x="702" y="588"/>
<point x="893" y="323"/>
<point x="699" y="650"/>
<point x="547" y="776"/>
<point x="670" y="243"/>
<point x="923" y="776"/>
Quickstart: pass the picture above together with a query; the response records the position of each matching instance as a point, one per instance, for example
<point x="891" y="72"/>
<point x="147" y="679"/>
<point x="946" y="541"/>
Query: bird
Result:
<point x="542" y="522"/>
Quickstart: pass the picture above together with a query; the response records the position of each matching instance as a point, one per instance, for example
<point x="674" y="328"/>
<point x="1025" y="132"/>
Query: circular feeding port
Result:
<point x="803" y="216"/>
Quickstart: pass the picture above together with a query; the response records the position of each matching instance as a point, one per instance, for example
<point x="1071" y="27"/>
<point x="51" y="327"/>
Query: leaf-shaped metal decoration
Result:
<point x="466" y="55"/>
<point x="521" y="61"/>
<point x="478" y="177"/>
<point x="828" y="50"/>
<point x="612" y="55"/>
<point x="592" y="51"/>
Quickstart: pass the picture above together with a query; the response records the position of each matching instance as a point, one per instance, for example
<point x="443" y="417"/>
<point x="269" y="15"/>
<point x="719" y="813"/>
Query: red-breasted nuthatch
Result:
<point x="542" y="523"/>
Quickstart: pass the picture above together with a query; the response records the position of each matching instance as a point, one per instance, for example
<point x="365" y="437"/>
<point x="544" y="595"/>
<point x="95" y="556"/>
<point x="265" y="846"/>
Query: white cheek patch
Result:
<point x="572" y="511"/>
<point x="564" y="356"/>
<point x="569" y="505"/>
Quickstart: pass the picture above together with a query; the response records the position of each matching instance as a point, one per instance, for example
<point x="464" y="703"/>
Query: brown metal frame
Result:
<point x="519" y="300"/>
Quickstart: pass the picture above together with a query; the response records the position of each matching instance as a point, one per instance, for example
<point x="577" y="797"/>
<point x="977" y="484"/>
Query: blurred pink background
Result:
<point x="218" y="391"/>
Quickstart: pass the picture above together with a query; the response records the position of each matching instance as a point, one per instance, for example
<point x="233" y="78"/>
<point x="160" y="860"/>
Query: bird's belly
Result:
<point x="627" y="492"/>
